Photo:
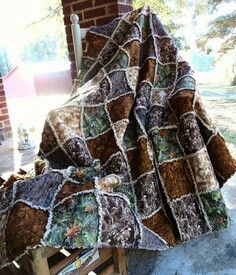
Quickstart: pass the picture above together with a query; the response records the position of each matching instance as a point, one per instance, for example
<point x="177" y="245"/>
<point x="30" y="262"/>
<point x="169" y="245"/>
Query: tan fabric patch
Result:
<point x="66" y="121"/>
<point x="203" y="172"/>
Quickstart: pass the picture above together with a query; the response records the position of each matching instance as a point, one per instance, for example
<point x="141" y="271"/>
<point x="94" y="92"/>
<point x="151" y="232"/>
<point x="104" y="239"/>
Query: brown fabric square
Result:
<point x="58" y="159"/>
<point x="133" y="48"/>
<point x="95" y="44"/>
<point x="177" y="178"/>
<point x="147" y="71"/>
<point x="25" y="227"/>
<point x="224" y="164"/>
<point x="200" y="110"/>
<point x="70" y="188"/>
<point x="49" y="141"/>
<point x="161" y="224"/>
<point x="139" y="159"/>
<point x="182" y="102"/>
<point x="103" y="146"/>
<point x="120" y="107"/>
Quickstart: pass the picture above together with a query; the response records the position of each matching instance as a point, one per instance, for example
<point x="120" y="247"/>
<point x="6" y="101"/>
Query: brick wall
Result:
<point x="91" y="12"/>
<point x="5" y="126"/>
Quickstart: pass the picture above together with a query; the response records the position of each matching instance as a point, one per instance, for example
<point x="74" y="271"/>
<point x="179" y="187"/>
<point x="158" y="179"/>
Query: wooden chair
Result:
<point x="111" y="260"/>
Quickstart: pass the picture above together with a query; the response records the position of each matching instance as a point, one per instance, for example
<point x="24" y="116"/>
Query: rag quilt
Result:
<point x="130" y="160"/>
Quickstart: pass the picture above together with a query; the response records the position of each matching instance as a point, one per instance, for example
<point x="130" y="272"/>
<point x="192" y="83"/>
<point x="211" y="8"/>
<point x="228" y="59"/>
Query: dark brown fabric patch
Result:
<point x="70" y="188"/>
<point x="176" y="178"/>
<point x="133" y="48"/>
<point x="160" y="224"/>
<point x="139" y="159"/>
<point x="147" y="71"/>
<point x="200" y="110"/>
<point x="49" y="141"/>
<point x="222" y="161"/>
<point x="120" y="108"/>
<point x="103" y="146"/>
<point x="95" y="43"/>
<point x="25" y="227"/>
<point x="182" y="102"/>
<point x="58" y="159"/>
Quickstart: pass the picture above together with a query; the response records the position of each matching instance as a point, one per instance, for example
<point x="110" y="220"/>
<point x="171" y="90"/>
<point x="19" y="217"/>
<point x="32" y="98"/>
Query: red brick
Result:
<point x="67" y="20"/>
<point x="94" y="13"/>
<point x="105" y="20"/>
<point x="1" y="87"/>
<point x="82" y="5"/>
<point x="102" y="2"/>
<point x="69" y="38"/>
<point x="68" y="30"/>
<point x="2" y="98"/>
<point x="71" y="56"/>
<point x="66" y="2"/>
<point x="87" y="24"/>
<point x="4" y="117"/>
<point x="7" y="123"/>
<point x="3" y="105"/>
<point x="67" y="9"/>
<point x="4" y="111"/>
<point x="112" y="9"/>
<point x="70" y="48"/>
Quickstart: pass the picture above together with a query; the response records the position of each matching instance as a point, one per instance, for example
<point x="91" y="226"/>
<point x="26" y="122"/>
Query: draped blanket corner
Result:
<point x="131" y="160"/>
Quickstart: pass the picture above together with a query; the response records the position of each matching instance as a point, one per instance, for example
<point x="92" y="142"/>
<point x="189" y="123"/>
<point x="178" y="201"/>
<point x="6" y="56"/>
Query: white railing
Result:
<point x="77" y="34"/>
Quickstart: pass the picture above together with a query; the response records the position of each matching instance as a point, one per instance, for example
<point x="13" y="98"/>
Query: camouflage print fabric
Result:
<point x="131" y="160"/>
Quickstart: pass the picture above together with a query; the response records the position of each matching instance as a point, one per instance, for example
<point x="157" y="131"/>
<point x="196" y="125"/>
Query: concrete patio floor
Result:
<point x="214" y="253"/>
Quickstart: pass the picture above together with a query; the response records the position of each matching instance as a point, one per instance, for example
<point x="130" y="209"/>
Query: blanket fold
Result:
<point x="131" y="160"/>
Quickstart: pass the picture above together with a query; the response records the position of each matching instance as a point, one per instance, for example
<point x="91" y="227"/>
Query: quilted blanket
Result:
<point x="130" y="160"/>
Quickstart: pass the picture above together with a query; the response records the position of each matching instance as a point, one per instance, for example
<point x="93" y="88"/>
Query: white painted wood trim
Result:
<point x="77" y="34"/>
